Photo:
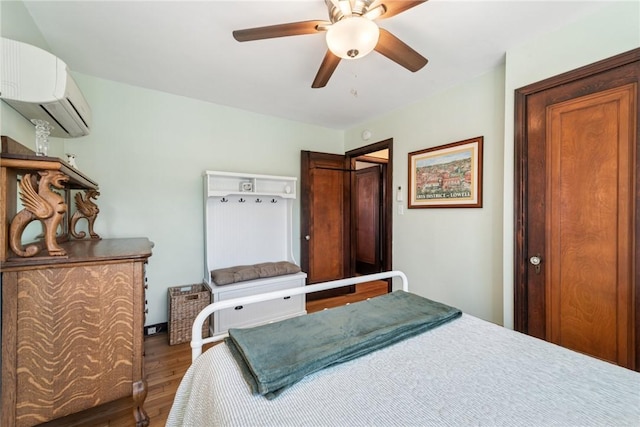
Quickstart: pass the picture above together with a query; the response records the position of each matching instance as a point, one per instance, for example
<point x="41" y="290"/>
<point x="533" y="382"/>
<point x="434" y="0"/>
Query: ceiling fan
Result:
<point x="351" y="33"/>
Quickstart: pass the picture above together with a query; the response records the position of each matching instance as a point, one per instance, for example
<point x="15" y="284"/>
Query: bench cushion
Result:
<point x="240" y="273"/>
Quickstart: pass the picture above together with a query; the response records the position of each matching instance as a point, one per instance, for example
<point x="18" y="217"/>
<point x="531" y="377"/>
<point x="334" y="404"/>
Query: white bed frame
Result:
<point x="467" y="372"/>
<point x="196" y="332"/>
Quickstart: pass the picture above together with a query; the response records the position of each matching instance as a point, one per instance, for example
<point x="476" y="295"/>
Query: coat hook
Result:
<point x="224" y="200"/>
<point x="258" y="201"/>
<point x="242" y="200"/>
<point x="274" y="201"/>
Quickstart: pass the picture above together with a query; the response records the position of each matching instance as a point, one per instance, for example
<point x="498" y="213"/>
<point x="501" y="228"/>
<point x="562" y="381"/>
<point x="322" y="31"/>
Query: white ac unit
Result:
<point x="38" y="85"/>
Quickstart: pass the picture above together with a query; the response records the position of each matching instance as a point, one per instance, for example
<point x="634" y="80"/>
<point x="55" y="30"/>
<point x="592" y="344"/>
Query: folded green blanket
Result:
<point x="272" y="357"/>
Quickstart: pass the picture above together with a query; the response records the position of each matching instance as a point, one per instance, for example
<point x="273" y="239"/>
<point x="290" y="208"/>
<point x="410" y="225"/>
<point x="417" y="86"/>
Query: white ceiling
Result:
<point x="186" y="48"/>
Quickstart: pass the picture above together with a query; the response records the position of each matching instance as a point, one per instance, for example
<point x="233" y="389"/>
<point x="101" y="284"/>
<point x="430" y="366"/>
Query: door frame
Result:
<point x="387" y="197"/>
<point x="521" y="265"/>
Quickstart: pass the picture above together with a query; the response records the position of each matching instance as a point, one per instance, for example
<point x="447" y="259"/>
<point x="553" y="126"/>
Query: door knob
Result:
<point x="307" y="237"/>
<point x="536" y="260"/>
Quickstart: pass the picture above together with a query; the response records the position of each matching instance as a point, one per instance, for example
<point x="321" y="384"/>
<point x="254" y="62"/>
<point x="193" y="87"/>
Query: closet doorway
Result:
<point x="343" y="232"/>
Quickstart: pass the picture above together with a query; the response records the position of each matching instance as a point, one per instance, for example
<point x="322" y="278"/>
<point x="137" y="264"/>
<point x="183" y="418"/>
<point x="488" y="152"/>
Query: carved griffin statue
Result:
<point x="85" y="209"/>
<point x="40" y="203"/>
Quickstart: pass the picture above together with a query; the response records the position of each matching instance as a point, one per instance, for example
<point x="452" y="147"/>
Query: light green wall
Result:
<point x="448" y="254"/>
<point x="17" y="24"/>
<point x="148" y="151"/>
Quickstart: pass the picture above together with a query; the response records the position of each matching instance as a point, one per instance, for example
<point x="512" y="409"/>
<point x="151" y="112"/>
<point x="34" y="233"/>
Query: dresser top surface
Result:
<point x="79" y="251"/>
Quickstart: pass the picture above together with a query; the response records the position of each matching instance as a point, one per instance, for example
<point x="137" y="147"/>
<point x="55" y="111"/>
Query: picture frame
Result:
<point x="447" y="176"/>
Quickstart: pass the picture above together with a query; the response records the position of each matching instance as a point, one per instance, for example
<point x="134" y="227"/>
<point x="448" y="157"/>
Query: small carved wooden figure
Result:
<point x="40" y="203"/>
<point x="85" y="209"/>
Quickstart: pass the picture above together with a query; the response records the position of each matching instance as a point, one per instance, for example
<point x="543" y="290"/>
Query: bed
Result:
<point x="464" y="372"/>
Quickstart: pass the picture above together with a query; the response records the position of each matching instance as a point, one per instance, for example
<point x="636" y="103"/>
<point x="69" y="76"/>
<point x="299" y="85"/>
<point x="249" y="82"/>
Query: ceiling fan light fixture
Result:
<point x="352" y="37"/>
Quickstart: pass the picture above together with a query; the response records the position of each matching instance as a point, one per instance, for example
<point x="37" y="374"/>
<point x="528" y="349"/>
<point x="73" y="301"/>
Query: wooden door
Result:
<point x="325" y="219"/>
<point x="577" y="208"/>
<point x="367" y="223"/>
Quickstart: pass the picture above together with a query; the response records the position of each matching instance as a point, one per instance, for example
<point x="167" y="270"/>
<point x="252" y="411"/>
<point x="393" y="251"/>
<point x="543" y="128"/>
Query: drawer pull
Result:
<point x="287" y="297"/>
<point x="239" y="307"/>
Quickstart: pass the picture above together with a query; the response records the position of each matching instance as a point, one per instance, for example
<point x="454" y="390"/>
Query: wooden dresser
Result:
<point x="72" y="325"/>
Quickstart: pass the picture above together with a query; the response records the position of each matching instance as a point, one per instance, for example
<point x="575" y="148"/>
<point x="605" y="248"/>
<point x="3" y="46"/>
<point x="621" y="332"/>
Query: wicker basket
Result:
<point x="185" y="302"/>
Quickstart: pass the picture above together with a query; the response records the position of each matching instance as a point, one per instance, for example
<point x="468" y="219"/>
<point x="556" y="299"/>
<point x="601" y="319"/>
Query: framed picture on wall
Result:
<point x="447" y="176"/>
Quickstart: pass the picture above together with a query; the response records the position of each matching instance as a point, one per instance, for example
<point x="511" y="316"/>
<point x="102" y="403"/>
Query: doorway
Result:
<point x="328" y="212"/>
<point x="380" y="156"/>
<point x="577" y="207"/>
<point x="369" y="216"/>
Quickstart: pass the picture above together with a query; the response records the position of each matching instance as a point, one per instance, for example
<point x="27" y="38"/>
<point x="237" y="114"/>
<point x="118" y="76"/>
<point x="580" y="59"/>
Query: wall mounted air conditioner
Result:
<point x="38" y="85"/>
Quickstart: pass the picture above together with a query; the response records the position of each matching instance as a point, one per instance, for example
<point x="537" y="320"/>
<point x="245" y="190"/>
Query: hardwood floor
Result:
<point x="165" y="366"/>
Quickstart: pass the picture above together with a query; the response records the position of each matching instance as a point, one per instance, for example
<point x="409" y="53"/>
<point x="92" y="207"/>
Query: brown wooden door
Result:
<point x="325" y="219"/>
<point x="576" y="210"/>
<point x="367" y="223"/>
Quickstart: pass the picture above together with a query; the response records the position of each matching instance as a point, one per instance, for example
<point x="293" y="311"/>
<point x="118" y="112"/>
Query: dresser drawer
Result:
<point x="260" y="312"/>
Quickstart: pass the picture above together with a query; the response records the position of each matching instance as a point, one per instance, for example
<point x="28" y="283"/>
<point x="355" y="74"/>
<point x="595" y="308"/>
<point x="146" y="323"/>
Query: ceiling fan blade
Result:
<point x="395" y="7"/>
<point x="328" y="66"/>
<point x="397" y="51"/>
<point x="281" y="30"/>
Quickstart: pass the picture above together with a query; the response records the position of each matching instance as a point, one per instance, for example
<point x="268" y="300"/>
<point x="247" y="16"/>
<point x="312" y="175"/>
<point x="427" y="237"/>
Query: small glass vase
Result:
<point x="43" y="129"/>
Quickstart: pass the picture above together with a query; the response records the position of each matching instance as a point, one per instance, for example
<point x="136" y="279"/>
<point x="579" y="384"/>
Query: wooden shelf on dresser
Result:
<point x="17" y="160"/>
<point x="72" y="331"/>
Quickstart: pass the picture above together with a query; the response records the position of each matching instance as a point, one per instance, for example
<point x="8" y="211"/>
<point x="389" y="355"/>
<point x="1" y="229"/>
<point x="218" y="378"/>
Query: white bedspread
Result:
<point x="467" y="372"/>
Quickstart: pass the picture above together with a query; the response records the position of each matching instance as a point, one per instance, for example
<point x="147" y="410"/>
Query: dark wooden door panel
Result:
<point x="327" y="234"/>
<point x="325" y="219"/>
<point x="577" y="207"/>
<point x="368" y="202"/>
